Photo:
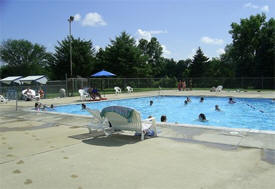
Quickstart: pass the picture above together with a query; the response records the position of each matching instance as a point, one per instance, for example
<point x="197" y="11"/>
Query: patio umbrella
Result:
<point x="103" y="73"/>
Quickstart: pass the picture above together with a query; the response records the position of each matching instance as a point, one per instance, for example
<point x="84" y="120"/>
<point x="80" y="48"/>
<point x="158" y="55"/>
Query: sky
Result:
<point x="181" y="26"/>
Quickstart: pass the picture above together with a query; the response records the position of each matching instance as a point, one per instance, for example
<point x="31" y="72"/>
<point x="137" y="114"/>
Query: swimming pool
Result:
<point x="246" y="113"/>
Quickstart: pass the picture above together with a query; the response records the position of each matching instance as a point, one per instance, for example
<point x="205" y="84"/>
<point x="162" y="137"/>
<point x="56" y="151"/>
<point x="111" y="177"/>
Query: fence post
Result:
<point x="262" y="82"/>
<point x="67" y="92"/>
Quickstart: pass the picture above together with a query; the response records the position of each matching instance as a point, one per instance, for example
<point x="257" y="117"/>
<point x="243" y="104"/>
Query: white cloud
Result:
<point x="158" y="31"/>
<point x="250" y="5"/>
<point x="220" y="51"/>
<point x="77" y="17"/>
<point x="93" y="19"/>
<point x="142" y="34"/>
<point x="166" y="52"/>
<point x="212" y="41"/>
<point x="264" y="8"/>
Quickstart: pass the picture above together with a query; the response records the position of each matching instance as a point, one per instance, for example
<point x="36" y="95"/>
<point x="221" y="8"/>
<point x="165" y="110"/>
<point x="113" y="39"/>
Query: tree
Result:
<point x="182" y="68"/>
<point x="83" y="58"/>
<point x="199" y="64"/>
<point x="124" y="58"/>
<point x="152" y="50"/>
<point x="23" y="58"/>
<point x="253" y="46"/>
<point x="265" y="57"/>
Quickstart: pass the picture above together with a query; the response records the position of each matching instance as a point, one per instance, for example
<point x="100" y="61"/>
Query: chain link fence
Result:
<point x="72" y="85"/>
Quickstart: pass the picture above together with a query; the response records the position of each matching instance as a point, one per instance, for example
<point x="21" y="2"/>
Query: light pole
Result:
<point x="71" y="61"/>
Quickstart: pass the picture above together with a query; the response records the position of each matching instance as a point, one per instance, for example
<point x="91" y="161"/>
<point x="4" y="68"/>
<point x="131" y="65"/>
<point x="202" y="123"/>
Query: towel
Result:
<point x="123" y="111"/>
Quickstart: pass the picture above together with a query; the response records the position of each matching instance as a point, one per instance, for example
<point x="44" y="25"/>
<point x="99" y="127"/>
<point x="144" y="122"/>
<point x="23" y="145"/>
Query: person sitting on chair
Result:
<point x="96" y="93"/>
<point x="29" y="94"/>
<point x="41" y="93"/>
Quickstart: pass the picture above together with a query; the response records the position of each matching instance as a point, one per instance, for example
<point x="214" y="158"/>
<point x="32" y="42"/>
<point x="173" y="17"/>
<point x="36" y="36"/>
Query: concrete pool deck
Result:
<point x="41" y="150"/>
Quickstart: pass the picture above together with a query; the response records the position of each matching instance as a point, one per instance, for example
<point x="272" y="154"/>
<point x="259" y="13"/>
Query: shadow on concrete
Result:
<point x="268" y="155"/>
<point x="113" y="140"/>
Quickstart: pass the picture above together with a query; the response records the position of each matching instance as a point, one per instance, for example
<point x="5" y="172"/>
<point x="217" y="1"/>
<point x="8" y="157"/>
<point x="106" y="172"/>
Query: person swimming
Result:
<point x="163" y="118"/>
<point x="151" y="102"/>
<point x="202" y="99"/>
<point x="188" y="99"/>
<point x="37" y="106"/>
<point x="185" y="102"/>
<point x="217" y="108"/>
<point x="83" y="106"/>
<point x="202" y="117"/>
<point x="231" y="101"/>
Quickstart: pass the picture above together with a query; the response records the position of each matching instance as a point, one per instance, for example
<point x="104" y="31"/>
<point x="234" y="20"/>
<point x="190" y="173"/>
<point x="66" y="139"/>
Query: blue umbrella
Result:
<point x="103" y="73"/>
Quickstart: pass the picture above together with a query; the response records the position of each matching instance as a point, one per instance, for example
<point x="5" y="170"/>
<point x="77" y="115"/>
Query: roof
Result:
<point x="42" y="79"/>
<point x="9" y="80"/>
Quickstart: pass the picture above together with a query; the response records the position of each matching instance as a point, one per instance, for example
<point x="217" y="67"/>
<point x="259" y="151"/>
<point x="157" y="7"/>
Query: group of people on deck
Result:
<point x="182" y="85"/>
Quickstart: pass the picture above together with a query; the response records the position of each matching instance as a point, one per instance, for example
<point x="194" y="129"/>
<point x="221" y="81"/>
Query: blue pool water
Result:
<point x="256" y="114"/>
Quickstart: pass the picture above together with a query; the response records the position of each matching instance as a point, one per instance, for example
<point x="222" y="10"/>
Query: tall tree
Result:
<point x="182" y="68"/>
<point x="265" y="57"/>
<point x="124" y="58"/>
<point x="153" y="52"/>
<point x="83" y="58"/>
<point x="253" y="46"/>
<point x="199" y="63"/>
<point x="23" y="58"/>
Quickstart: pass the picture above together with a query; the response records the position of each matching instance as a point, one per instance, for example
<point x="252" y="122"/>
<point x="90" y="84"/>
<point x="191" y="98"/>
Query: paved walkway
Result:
<point x="39" y="150"/>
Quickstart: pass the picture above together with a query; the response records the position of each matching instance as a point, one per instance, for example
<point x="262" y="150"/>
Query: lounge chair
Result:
<point x="3" y="99"/>
<point x="117" y="90"/>
<point x="129" y="89"/>
<point x="98" y="122"/>
<point x="219" y="88"/>
<point x="29" y="94"/>
<point x="83" y="94"/>
<point x="118" y="118"/>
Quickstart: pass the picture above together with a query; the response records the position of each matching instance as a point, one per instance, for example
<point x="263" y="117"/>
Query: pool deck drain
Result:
<point x="56" y="151"/>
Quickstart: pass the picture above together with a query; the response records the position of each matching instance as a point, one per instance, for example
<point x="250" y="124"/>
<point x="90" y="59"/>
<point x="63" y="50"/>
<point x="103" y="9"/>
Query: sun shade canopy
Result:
<point x="12" y="79"/>
<point x="42" y="79"/>
<point x="103" y="73"/>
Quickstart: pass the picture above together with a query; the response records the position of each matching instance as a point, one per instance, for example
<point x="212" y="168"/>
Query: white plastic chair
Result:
<point x="98" y="123"/>
<point x="3" y="99"/>
<point x="83" y="94"/>
<point x="219" y="88"/>
<point x="129" y="89"/>
<point x="117" y="90"/>
<point x="30" y="95"/>
<point x="123" y="118"/>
